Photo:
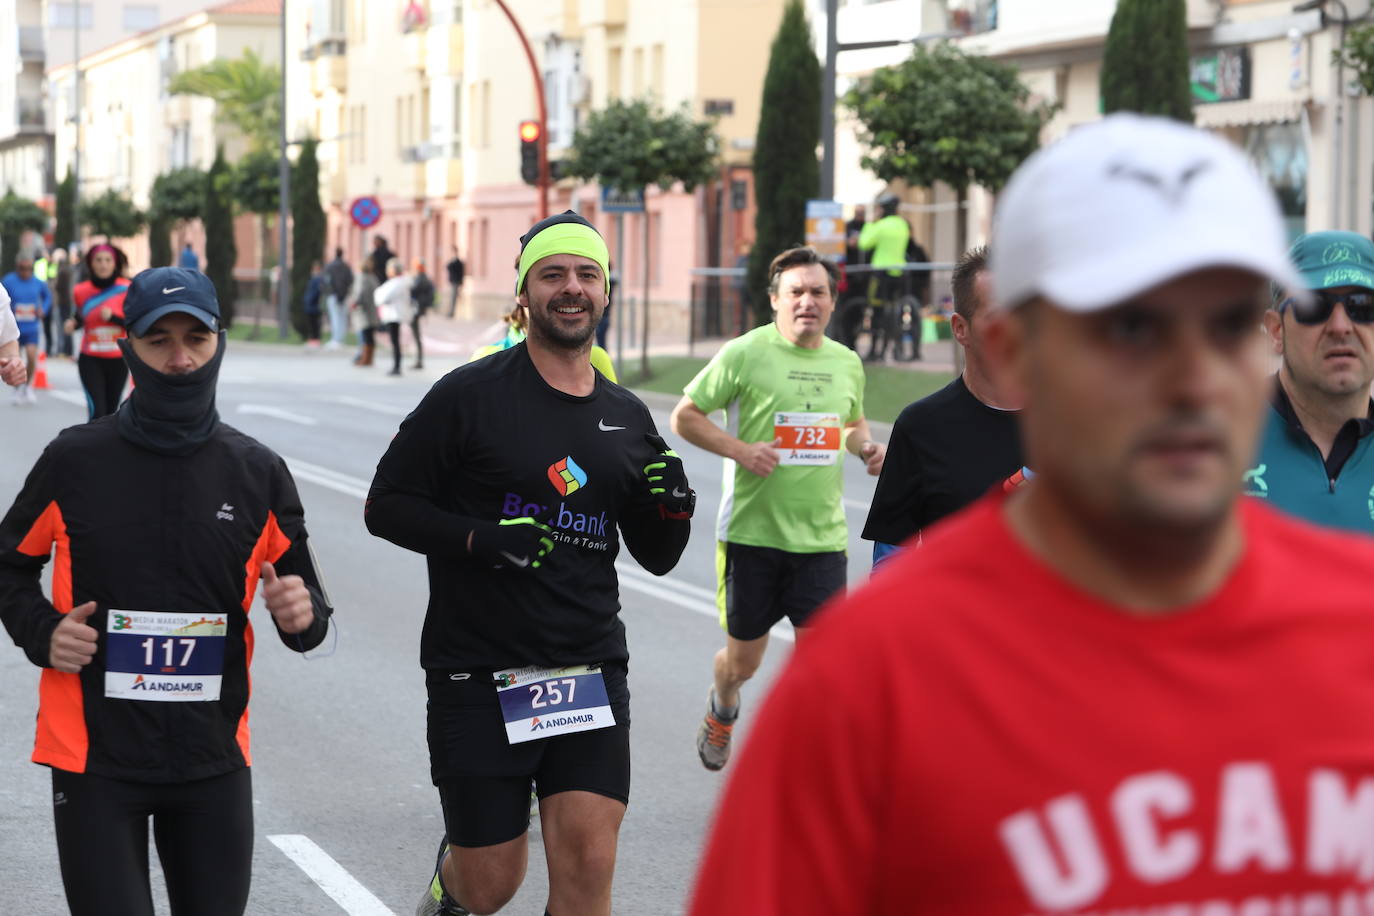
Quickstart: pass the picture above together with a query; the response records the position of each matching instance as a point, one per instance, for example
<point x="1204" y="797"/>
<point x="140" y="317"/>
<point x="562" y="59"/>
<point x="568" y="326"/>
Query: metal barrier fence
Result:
<point x="874" y="315"/>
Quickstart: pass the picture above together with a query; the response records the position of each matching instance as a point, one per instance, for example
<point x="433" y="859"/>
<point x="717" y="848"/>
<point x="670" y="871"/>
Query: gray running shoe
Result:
<point x="713" y="738"/>
<point x="436" y="901"/>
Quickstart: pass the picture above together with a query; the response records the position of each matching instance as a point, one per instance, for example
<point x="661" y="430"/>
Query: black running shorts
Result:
<point x="758" y="586"/>
<point x="484" y="781"/>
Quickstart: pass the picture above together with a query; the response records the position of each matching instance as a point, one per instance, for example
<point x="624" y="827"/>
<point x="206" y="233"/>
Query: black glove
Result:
<point x="668" y="481"/>
<point x="512" y="543"/>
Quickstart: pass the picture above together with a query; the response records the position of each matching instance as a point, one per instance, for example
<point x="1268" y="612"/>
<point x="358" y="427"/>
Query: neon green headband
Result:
<point x="575" y="238"/>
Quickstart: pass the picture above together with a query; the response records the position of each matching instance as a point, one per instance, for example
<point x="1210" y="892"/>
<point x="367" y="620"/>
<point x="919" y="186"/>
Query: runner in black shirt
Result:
<point x="949" y="448"/>
<point x="517" y="476"/>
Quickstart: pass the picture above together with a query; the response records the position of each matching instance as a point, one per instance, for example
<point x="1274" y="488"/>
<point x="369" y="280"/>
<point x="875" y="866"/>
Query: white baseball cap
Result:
<point x="1126" y="203"/>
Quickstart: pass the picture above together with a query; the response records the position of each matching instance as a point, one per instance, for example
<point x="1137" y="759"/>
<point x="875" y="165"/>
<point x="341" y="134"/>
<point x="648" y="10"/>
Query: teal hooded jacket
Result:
<point x="1290" y="473"/>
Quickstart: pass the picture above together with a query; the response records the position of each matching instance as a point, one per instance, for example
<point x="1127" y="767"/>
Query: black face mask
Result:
<point x="170" y="414"/>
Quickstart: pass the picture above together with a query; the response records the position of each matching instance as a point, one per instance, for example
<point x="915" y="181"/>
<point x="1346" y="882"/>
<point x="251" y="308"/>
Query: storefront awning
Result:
<point x="1248" y="111"/>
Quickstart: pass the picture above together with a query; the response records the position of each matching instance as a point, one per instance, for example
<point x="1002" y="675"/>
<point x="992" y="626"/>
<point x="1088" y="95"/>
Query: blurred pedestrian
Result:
<point x="1319" y="403"/>
<point x="311" y="305"/>
<point x="12" y="371"/>
<point x="188" y="258"/>
<point x="363" y="304"/>
<point x="30" y="302"/>
<point x="455" y="270"/>
<point x="380" y="258"/>
<point x="421" y="300"/>
<point x="338" y="282"/>
<point x="1122" y="687"/>
<point x="394" y="308"/>
<point x="887" y="238"/>
<point x="61" y="287"/>
<point x="99" y="313"/>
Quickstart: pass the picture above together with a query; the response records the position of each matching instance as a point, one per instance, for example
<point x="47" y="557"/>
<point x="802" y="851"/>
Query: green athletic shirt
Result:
<point x="797" y="508"/>
<point x="887" y="239"/>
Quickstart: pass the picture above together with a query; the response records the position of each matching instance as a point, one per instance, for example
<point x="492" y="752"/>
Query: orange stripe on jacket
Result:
<point x="60" y="739"/>
<point x="272" y="543"/>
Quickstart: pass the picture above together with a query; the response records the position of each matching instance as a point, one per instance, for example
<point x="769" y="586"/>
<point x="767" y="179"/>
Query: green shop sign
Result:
<point x="1220" y="76"/>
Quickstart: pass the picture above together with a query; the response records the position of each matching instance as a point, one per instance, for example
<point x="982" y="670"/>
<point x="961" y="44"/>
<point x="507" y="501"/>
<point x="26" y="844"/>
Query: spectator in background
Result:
<point x="381" y="257"/>
<point x="394" y="309"/>
<point x="455" y="281"/>
<point x="188" y="258"/>
<point x="338" y="282"/>
<point x="887" y="239"/>
<point x="312" y="305"/>
<point x="361" y="298"/>
<point x="421" y="300"/>
<point x="60" y="285"/>
<point x="853" y="254"/>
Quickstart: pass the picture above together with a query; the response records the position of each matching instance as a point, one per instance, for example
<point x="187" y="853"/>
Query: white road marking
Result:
<point x="685" y="595"/>
<point x="266" y="411"/>
<point x="342" y="887"/>
<point x="365" y="404"/>
<point x="333" y="480"/>
<point x="71" y="397"/>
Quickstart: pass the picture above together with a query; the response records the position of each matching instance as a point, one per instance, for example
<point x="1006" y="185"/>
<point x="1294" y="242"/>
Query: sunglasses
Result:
<point x="1359" y="306"/>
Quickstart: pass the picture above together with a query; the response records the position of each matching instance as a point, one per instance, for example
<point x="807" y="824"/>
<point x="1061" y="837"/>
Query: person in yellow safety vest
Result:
<point x="887" y="238"/>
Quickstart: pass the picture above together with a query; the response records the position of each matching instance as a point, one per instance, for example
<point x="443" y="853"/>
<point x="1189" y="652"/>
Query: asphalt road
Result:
<point x="346" y="818"/>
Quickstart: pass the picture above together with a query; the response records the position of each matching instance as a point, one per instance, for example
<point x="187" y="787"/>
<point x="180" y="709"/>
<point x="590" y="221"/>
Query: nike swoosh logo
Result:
<point x="601" y="425"/>
<point x="174" y="289"/>
<point x="521" y="562"/>
<point x="679" y="494"/>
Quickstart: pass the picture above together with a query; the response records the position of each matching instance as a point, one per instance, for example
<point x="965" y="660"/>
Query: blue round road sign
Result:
<point x="365" y="212"/>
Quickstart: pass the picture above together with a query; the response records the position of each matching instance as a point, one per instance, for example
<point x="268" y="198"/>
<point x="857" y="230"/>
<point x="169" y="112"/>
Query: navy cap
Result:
<point x="160" y="291"/>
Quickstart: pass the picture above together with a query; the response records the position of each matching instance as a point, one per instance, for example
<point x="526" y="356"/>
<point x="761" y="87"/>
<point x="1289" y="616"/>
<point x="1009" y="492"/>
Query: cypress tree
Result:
<point x="786" y="171"/>
<point x="307" y="228"/>
<point x="221" y="251"/>
<point x="1145" y="62"/>
<point x="64" y="233"/>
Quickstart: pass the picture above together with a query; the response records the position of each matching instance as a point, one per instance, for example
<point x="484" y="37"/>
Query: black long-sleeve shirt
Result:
<point x="136" y="531"/>
<point x="493" y="440"/>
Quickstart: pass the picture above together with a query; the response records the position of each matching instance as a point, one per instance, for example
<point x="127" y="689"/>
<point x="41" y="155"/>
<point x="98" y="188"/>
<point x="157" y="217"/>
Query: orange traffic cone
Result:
<point x="40" y="375"/>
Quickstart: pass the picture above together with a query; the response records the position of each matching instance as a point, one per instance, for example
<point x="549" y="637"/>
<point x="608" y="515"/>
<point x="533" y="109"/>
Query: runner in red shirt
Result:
<point x="100" y="316"/>
<point x="1120" y="689"/>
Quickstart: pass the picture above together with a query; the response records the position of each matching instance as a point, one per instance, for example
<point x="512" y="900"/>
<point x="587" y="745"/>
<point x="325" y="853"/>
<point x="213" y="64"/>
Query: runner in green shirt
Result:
<point x="793" y="400"/>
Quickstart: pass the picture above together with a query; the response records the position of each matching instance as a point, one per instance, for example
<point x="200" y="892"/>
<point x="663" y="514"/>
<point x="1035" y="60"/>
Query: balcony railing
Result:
<point x="30" y="114"/>
<point x="329" y="46"/>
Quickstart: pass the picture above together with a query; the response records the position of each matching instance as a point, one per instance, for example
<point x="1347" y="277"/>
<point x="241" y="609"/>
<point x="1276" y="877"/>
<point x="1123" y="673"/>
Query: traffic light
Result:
<point x="529" y="151"/>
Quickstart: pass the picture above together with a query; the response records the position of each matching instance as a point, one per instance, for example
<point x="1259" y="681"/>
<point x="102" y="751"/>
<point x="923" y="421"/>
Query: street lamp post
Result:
<point x="543" y="182"/>
<point x="283" y="203"/>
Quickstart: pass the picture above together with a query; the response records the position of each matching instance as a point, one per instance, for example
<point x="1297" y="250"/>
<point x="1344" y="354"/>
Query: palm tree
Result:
<point x="247" y="94"/>
<point x="247" y="91"/>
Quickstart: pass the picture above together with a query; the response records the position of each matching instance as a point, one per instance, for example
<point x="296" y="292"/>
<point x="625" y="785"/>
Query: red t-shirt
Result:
<point x="971" y="734"/>
<point x="100" y="337"/>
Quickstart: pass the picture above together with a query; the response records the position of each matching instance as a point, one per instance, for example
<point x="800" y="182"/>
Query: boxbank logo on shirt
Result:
<point x="566" y="476"/>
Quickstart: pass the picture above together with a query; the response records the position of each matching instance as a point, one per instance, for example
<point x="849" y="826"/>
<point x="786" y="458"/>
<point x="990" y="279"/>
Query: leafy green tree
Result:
<point x="307" y="228"/>
<point x="1358" y="54"/>
<point x="246" y="91"/>
<point x="221" y="251"/>
<point x="1145" y="61"/>
<point x="946" y="116"/>
<point x="177" y="197"/>
<point x="786" y="171"/>
<point x="630" y="145"/>
<point x="256" y="187"/>
<point x="17" y="214"/>
<point x="65" y="231"/>
<point x="113" y="214"/>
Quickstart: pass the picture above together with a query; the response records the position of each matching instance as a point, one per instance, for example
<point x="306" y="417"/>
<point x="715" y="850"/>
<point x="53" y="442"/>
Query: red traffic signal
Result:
<point x="529" y="131"/>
